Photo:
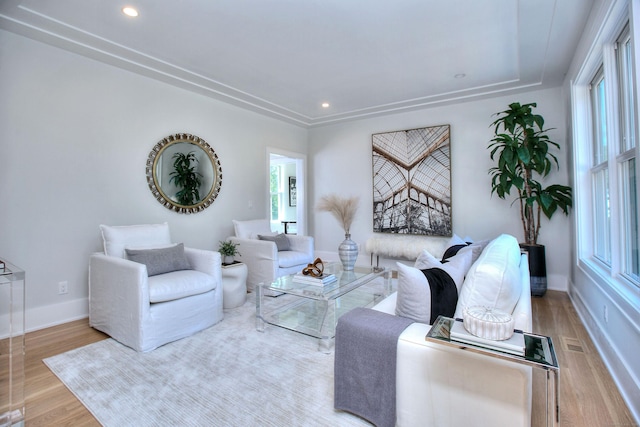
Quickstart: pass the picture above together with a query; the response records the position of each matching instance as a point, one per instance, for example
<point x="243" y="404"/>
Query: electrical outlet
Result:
<point x="606" y="314"/>
<point x="63" y="287"/>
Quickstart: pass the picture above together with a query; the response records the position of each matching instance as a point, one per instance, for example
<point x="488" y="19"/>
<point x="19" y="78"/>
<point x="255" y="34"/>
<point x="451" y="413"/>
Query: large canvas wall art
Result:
<point x="412" y="181"/>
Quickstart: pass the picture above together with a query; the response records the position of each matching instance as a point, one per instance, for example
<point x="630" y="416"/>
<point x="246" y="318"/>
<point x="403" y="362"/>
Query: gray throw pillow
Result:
<point x="161" y="260"/>
<point x="281" y="241"/>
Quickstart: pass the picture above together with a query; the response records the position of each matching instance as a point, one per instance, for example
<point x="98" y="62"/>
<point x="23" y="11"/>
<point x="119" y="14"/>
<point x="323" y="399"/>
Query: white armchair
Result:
<point x="144" y="312"/>
<point x="264" y="261"/>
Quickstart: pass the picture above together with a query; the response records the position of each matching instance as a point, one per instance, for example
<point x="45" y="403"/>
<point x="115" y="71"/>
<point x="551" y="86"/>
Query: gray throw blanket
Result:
<point x="365" y="364"/>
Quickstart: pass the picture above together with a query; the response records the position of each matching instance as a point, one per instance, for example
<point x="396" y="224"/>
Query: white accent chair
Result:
<point x="264" y="262"/>
<point x="145" y="312"/>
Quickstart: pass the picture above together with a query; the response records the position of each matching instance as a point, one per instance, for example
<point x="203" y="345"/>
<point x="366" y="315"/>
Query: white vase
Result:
<point x="227" y="259"/>
<point x="348" y="253"/>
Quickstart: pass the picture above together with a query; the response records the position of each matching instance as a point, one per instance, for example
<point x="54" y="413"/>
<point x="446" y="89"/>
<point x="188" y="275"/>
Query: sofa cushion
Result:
<point x="494" y="279"/>
<point x="453" y="250"/>
<point x="115" y="238"/>
<point x="454" y="244"/>
<point x="476" y="249"/>
<point x="251" y="228"/>
<point x="289" y="259"/>
<point x="457" y="244"/>
<point x="160" y="260"/>
<point x="414" y="296"/>
<point x="456" y="266"/>
<point x="281" y="241"/>
<point x="179" y="284"/>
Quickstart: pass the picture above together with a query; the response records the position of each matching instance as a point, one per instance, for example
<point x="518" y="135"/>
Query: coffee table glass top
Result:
<point x="347" y="281"/>
<point x="313" y="309"/>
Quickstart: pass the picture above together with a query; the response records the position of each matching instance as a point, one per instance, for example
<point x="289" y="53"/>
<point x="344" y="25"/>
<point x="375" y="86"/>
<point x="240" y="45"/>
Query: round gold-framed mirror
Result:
<point x="184" y="173"/>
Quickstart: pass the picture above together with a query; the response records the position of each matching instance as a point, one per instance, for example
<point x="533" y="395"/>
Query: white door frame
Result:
<point x="301" y="184"/>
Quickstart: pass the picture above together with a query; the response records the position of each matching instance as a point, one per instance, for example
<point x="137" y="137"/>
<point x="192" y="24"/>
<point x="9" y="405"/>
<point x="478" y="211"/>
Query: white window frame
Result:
<point x="602" y="54"/>
<point x="626" y="150"/>
<point x="601" y="223"/>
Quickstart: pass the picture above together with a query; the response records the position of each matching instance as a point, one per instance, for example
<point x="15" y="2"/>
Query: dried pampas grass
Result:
<point x="343" y="209"/>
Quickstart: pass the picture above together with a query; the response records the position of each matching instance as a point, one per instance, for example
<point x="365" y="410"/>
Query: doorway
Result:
<point x="286" y="188"/>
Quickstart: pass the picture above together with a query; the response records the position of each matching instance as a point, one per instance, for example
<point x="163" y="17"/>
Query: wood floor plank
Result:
<point x="48" y="402"/>
<point x="588" y="395"/>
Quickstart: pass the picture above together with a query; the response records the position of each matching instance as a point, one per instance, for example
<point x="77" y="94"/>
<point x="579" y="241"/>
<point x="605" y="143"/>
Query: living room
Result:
<point x="77" y="133"/>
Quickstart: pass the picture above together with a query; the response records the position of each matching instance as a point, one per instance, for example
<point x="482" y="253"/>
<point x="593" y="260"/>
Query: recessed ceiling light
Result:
<point x="460" y="76"/>
<point x="325" y="105"/>
<point x="130" y="11"/>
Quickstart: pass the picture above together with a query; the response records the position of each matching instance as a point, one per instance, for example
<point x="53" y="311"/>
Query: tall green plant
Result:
<point x="521" y="147"/>
<point x="185" y="177"/>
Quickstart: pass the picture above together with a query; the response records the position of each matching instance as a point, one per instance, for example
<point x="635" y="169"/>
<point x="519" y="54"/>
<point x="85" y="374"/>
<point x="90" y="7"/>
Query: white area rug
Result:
<point x="227" y="375"/>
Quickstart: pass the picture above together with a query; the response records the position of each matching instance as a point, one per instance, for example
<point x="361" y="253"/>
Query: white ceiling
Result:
<point x="286" y="57"/>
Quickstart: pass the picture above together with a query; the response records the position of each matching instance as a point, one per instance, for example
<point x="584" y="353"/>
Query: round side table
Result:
<point x="234" y="285"/>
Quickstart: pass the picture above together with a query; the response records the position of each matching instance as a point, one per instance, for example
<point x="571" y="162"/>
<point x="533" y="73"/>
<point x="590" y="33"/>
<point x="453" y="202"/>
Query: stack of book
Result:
<point x="325" y="279"/>
<point x="514" y="345"/>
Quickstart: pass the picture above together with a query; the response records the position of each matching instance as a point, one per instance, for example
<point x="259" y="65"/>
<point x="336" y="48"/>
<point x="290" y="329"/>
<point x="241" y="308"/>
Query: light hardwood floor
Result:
<point x="588" y="396"/>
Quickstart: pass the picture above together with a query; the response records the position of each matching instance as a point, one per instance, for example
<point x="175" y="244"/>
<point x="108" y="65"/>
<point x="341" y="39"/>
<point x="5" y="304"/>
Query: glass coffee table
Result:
<point x="313" y="309"/>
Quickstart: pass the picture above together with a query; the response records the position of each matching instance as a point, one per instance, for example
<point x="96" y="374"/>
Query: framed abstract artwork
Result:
<point x="412" y="181"/>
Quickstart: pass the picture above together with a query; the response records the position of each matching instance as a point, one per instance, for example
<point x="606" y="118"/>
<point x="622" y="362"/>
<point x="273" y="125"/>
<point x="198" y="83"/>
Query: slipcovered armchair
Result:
<point x="269" y="255"/>
<point x="145" y="291"/>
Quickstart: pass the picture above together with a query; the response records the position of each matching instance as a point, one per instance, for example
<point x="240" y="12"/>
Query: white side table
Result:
<point x="234" y="285"/>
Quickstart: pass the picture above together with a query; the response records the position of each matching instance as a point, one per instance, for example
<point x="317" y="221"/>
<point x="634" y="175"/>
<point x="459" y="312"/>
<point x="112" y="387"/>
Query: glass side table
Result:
<point x="539" y="354"/>
<point x="12" y="351"/>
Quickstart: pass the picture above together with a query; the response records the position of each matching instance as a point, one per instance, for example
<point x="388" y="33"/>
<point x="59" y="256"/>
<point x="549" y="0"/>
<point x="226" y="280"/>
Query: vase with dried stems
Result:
<point x="344" y="210"/>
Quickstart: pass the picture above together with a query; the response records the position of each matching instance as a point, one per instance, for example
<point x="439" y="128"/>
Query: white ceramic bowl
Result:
<point x="488" y="323"/>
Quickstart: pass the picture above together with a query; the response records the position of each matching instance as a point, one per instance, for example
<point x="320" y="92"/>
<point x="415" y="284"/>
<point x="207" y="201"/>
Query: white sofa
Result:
<point x="441" y="386"/>
<point x="265" y="263"/>
<point x="144" y="312"/>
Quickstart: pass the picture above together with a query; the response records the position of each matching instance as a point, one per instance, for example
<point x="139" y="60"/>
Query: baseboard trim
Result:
<point x="557" y="282"/>
<point x="56" y="314"/>
<point x="626" y="384"/>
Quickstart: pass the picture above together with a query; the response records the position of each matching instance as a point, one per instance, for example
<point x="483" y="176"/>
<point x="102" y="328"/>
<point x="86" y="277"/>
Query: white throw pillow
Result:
<point x="115" y="238"/>
<point x="250" y="229"/>
<point x="494" y="279"/>
<point x="456" y="266"/>
<point x="457" y="240"/>
<point x="414" y="294"/>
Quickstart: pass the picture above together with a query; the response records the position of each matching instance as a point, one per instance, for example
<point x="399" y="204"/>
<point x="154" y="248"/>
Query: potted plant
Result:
<point x="521" y="147"/>
<point x="228" y="250"/>
<point x="185" y="177"/>
<point x="344" y="210"/>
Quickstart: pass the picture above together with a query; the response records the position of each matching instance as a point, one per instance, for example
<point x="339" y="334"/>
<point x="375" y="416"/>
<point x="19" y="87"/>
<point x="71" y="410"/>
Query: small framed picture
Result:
<point x="293" y="191"/>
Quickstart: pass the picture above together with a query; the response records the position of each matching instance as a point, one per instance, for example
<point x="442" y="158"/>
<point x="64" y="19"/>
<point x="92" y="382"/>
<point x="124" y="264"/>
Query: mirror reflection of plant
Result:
<point x="186" y="178"/>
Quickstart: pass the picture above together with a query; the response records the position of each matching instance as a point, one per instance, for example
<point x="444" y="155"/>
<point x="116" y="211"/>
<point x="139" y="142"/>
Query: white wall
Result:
<point x="76" y="134"/>
<point x="608" y="307"/>
<point x="341" y="163"/>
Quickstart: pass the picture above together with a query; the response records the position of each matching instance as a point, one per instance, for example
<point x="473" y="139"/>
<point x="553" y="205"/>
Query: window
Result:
<point x="630" y="219"/>
<point x="277" y="192"/>
<point x="626" y="158"/>
<point x="612" y="166"/>
<point x="600" y="171"/>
